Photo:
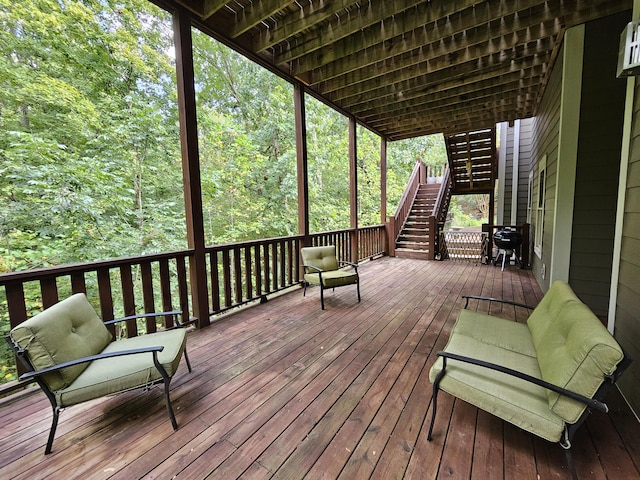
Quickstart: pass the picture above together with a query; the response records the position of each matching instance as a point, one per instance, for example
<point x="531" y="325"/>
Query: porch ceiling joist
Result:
<point x="406" y="68"/>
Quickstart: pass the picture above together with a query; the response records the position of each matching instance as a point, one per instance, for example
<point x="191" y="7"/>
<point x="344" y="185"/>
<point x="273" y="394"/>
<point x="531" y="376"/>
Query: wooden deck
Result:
<point x="285" y="390"/>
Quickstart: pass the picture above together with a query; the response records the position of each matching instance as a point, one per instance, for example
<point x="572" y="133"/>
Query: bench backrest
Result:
<point x="574" y="349"/>
<point x="65" y="331"/>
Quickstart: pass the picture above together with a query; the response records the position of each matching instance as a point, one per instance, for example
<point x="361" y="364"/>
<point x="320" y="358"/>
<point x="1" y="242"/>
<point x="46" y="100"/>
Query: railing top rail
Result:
<point x="251" y="243"/>
<point x="56" y="271"/>
<point x="60" y="270"/>
<point x="412" y="184"/>
<point x="445" y="185"/>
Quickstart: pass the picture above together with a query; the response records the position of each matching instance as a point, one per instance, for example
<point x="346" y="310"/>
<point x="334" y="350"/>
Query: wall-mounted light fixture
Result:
<point x="629" y="53"/>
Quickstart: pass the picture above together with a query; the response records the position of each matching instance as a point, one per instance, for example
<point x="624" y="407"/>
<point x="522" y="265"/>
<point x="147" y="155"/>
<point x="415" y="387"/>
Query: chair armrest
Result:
<point x="354" y="265"/>
<point x="177" y="313"/>
<point x="498" y="300"/>
<point x="36" y="373"/>
<point x="591" y="402"/>
<point x="319" y="270"/>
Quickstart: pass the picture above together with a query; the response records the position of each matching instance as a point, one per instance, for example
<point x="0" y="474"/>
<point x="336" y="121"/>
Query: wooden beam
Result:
<point x="465" y="29"/>
<point x="302" y="164"/>
<point x="439" y="95"/>
<point x="256" y="12"/>
<point x="464" y="74"/>
<point x="209" y="7"/>
<point x="353" y="188"/>
<point x="307" y="18"/>
<point x="383" y="24"/>
<point x="497" y="107"/>
<point x="441" y="103"/>
<point x="517" y="54"/>
<point x="383" y="180"/>
<point x="191" y="165"/>
<point x="365" y="14"/>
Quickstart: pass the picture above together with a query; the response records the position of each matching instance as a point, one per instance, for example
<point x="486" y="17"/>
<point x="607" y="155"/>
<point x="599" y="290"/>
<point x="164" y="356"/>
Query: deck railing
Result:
<point x="439" y="215"/>
<point x="238" y="273"/>
<point x="117" y="287"/>
<point x="242" y="272"/>
<point x="418" y="176"/>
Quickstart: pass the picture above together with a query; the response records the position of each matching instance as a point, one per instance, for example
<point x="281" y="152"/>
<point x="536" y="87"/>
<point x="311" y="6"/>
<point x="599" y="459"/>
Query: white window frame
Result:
<point x="540" y="205"/>
<point x="530" y="197"/>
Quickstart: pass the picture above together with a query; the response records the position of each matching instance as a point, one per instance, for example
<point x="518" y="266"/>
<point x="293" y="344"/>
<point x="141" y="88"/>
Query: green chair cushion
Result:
<point x="333" y="278"/>
<point x="65" y="331"/>
<point x="323" y="258"/>
<point x="516" y="401"/>
<point x="112" y="375"/>
<point x="549" y="308"/>
<point x="575" y="352"/>
<point x="484" y="328"/>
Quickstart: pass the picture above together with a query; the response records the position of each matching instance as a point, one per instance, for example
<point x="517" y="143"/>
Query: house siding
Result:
<point x="526" y="138"/>
<point x="627" y="312"/>
<point x="598" y="163"/>
<point x="524" y="167"/>
<point x="544" y="141"/>
<point x="508" y="177"/>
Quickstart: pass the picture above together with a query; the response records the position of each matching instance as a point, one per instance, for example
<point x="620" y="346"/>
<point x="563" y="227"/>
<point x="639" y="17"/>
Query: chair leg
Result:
<point x="434" y="406"/>
<point x="167" y="381"/>
<point x="167" y="401"/>
<point x="322" y="296"/>
<point x="434" y="397"/>
<point x="304" y="292"/>
<point x="186" y="358"/>
<point x="570" y="466"/>
<point x="358" y="289"/>
<point x="52" y="432"/>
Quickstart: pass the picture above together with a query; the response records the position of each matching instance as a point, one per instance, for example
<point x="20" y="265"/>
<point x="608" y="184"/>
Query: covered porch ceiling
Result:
<point x="406" y="68"/>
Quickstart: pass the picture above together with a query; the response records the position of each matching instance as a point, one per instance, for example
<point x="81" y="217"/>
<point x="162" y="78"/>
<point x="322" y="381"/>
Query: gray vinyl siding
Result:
<point x="508" y="176"/>
<point x="545" y="133"/>
<point x="524" y="166"/>
<point x="627" y="318"/>
<point x="526" y="137"/>
<point x="598" y="164"/>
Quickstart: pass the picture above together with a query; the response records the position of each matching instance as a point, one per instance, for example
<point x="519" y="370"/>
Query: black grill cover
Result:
<point x="507" y="239"/>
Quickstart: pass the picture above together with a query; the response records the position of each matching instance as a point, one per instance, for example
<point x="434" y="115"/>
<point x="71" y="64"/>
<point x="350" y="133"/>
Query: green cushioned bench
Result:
<point x="543" y="376"/>
<point x="71" y="354"/>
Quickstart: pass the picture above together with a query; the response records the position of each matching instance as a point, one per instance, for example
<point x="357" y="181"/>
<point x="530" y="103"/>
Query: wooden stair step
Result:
<point x="412" y="254"/>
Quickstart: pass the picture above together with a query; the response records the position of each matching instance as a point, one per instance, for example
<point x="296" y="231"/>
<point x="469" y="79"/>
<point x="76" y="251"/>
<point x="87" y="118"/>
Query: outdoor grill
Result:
<point x="506" y="241"/>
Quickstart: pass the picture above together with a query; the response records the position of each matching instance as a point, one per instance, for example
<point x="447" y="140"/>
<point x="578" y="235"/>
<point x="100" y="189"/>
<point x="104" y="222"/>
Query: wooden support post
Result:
<point x="353" y="188"/>
<point x="302" y="162"/>
<point x="191" y="165"/>
<point x="433" y="234"/>
<point x="386" y="247"/>
<point x="383" y="180"/>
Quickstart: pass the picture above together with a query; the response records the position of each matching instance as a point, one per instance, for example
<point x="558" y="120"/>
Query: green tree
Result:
<point x="247" y="146"/>
<point x="88" y="132"/>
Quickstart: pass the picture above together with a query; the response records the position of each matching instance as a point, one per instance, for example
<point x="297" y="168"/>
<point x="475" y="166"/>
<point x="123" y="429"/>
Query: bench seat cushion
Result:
<point x="116" y="374"/>
<point x="575" y="352"/>
<point x="516" y="401"/>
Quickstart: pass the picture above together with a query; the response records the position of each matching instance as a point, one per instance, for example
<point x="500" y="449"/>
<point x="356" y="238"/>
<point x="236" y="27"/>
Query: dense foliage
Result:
<point x="90" y="162"/>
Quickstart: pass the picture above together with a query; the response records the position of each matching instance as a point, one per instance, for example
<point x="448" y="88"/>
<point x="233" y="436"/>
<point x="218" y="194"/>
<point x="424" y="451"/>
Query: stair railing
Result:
<point x="439" y="215"/>
<point x="418" y="176"/>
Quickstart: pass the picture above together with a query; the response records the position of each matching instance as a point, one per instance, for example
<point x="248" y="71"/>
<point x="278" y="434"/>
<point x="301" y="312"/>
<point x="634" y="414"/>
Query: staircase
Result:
<point x="413" y="241"/>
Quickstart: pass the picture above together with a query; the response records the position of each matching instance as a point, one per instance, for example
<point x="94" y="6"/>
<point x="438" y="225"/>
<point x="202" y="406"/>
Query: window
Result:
<point x="530" y="197"/>
<point x="539" y="211"/>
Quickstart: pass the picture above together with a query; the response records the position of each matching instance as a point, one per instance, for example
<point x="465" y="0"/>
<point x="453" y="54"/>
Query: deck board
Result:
<point x="285" y="390"/>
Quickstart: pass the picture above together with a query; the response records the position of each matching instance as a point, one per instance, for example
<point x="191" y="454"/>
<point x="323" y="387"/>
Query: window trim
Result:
<point x="540" y="205"/>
